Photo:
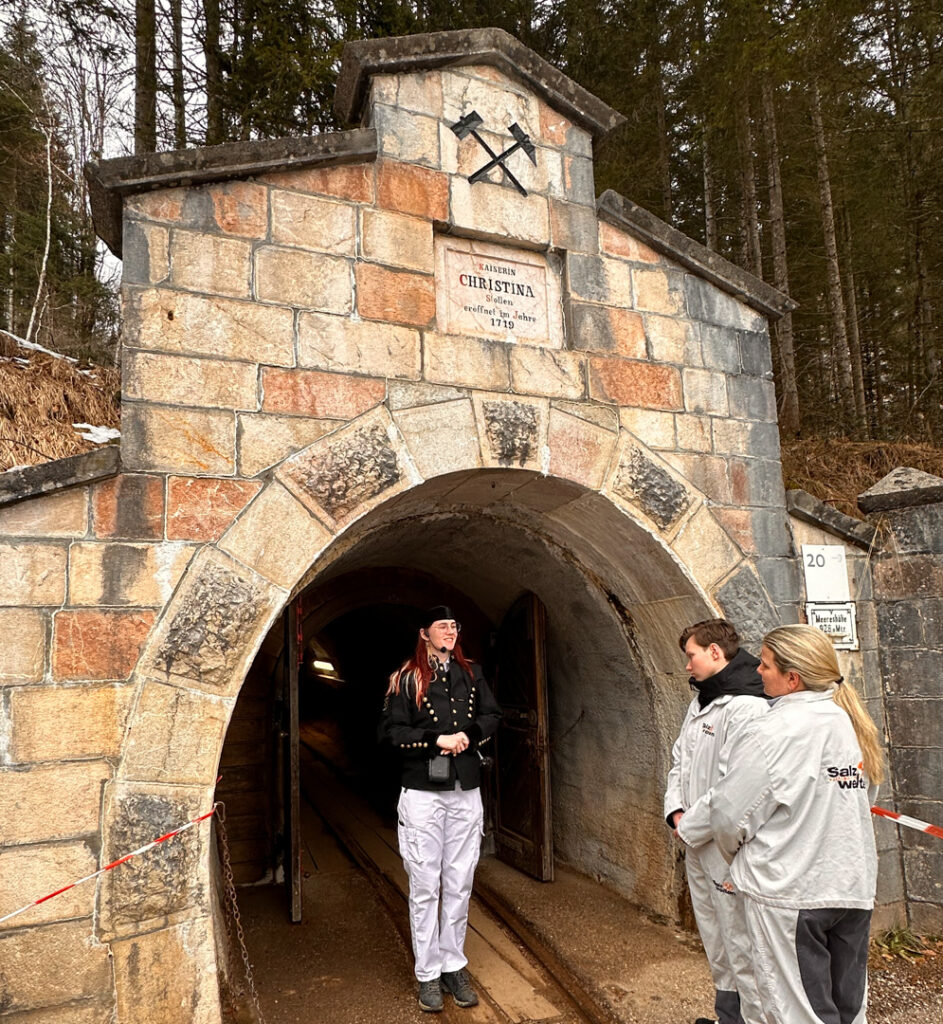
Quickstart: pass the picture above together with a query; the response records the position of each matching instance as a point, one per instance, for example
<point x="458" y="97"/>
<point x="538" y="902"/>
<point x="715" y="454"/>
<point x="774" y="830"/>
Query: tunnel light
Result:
<point x="322" y="666"/>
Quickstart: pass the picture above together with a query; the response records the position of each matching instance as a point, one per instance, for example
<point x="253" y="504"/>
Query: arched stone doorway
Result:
<point x="614" y="600"/>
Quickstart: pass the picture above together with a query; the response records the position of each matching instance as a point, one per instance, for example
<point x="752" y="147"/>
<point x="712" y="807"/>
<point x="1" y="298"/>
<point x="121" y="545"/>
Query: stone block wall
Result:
<point x="908" y="589"/>
<point x="83" y="573"/>
<point x="895" y="565"/>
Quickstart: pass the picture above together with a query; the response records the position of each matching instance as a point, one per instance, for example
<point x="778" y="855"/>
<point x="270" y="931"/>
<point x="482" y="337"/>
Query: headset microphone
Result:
<point x="443" y="650"/>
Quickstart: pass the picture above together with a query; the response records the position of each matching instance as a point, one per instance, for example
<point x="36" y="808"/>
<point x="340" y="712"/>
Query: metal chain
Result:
<point x="233" y="915"/>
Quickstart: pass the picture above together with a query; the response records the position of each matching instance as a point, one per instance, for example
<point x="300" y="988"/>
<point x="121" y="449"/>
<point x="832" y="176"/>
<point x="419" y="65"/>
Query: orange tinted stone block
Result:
<point x="397" y="296"/>
<point x="738" y="522"/>
<point x="618" y="243"/>
<point x="163" y="204"/>
<point x="98" y="645"/>
<point x="201" y="508"/>
<point x="553" y="125"/>
<point x="354" y="182"/>
<point x="634" y="383"/>
<point x="130" y="507"/>
<point x="579" y="450"/>
<point x="408" y="188"/>
<point x="241" y="208"/>
<point x="321" y="395"/>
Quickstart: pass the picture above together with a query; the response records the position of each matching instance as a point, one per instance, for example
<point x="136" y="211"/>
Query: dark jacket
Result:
<point x="454" y="702"/>
<point x="738" y="676"/>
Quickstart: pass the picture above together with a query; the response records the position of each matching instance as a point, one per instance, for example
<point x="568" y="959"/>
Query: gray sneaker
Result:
<point x="430" y="996"/>
<point x="457" y="983"/>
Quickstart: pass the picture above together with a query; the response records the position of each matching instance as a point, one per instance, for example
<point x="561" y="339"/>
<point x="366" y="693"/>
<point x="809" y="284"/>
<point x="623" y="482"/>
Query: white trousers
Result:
<point x="719" y="911"/>
<point x="811" y="965"/>
<point x="439" y="840"/>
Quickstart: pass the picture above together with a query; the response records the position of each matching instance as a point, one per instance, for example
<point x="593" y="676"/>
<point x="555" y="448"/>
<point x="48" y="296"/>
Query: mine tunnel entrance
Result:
<point x="613" y="602"/>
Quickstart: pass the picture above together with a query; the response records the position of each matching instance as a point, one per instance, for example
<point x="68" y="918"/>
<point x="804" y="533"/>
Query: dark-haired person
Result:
<point x="793" y="815"/>
<point x="439" y="711"/>
<point x="729" y="696"/>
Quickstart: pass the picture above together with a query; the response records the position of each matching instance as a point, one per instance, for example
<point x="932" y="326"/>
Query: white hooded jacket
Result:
<point x="699" y="757"/>
<point x="793" y="812"/>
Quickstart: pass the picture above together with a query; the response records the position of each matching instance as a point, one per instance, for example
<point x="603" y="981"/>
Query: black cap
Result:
<point x="435" y="613"/>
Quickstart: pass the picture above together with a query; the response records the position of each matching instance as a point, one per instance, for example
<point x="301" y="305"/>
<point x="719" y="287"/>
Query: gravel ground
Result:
<point x="907" y="993"/>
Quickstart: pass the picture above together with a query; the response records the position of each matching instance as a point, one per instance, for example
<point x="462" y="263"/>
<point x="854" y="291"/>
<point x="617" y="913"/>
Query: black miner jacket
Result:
<point x="454" y="702"/>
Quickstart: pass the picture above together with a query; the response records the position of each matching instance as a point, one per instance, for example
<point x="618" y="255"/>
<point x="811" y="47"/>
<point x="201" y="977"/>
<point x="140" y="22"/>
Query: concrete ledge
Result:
<point x="669" y="241"/>
<point x="810" y="509"/>
<point x="902" y="488"/>
<point x="109" y="181"/>
<point x="32" y="481"/>
<point x="492" y="46"/>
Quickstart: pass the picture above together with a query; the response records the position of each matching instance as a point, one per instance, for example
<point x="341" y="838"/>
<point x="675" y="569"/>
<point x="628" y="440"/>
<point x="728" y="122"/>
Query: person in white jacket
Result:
<point x="729" y="695"/>
<point x="792" y="816"/>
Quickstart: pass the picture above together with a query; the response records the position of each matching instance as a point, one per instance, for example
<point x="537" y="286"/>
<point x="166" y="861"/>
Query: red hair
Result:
<point x="419" y="667"/>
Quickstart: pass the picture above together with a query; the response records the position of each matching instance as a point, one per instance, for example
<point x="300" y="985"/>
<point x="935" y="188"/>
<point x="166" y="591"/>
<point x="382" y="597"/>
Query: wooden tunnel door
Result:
<point x="523" y="827"/>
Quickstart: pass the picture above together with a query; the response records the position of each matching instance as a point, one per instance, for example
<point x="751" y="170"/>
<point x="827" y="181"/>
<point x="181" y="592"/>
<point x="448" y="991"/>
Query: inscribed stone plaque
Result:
<point x="491" y="291"/>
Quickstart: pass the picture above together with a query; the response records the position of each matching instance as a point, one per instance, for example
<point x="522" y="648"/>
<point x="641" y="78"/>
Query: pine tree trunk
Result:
<point x="874" y="366"/>
<point x="750" y="255"/>
<point x="145" y="77"/>
<point x="923" y="322"/>
<point x="707" y="164"/>
<point x="7" y="244"/>
<point x="664" y="150"/>
<point x="854" y="336"/>
<point x="179" y="98"/>
<point x="836" y="304"/>
<point x="710" y="213"/>
<point x="215" y="131"/>
<point x="789" y="393"/>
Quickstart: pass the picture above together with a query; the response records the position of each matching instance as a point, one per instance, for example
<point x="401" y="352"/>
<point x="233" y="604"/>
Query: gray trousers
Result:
<point x="719" y="911"/>
<point x="439" y="840"/>
<point x="811" y="965"/>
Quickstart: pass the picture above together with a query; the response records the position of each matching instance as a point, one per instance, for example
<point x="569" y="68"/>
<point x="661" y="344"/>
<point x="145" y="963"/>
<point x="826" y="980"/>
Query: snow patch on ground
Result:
<point x="97" y="435"/>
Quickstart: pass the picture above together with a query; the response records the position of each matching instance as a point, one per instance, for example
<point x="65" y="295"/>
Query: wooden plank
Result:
<point x="294" y="767"/>
<point x="509" y="990"/>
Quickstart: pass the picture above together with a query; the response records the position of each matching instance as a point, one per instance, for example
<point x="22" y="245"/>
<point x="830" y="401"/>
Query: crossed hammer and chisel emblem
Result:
<point x="469" y="125"/>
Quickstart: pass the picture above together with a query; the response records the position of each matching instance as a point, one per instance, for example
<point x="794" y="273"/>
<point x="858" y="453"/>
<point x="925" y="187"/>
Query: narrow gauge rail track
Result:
<point x="529" y="985"/>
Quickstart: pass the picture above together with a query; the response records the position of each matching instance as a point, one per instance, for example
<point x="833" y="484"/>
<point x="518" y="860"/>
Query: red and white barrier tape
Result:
<point x="113" y="864"/>
<point x="903" y="819"/>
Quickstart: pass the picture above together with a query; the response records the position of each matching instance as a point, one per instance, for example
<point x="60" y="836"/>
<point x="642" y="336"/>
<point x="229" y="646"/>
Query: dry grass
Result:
<point x="838" y="471"/>
<point x="39" y="402"/>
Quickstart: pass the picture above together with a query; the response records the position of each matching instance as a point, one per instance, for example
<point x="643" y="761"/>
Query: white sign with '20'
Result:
<point x="826" y="576"/>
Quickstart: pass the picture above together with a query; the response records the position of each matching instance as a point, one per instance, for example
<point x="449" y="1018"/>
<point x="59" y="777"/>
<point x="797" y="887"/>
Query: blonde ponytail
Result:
<point x="808" y="652"/>
<point x="846" y="697"/>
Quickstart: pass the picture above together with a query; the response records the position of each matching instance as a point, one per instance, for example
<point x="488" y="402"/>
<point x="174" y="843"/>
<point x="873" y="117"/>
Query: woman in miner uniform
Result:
<point x="792" y="815"/>
<point x="439" y="711"/>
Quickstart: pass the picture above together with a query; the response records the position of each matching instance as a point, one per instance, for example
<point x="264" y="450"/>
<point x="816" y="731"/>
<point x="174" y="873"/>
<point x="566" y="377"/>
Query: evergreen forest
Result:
<point x="801" y="139"/>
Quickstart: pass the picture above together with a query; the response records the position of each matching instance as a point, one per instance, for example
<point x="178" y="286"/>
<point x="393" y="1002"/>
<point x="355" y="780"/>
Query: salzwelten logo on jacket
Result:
<point x="848" y="777"/>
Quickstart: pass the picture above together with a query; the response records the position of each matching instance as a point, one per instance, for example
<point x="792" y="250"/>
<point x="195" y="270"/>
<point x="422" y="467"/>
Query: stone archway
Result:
<point x="589" y="490"/>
